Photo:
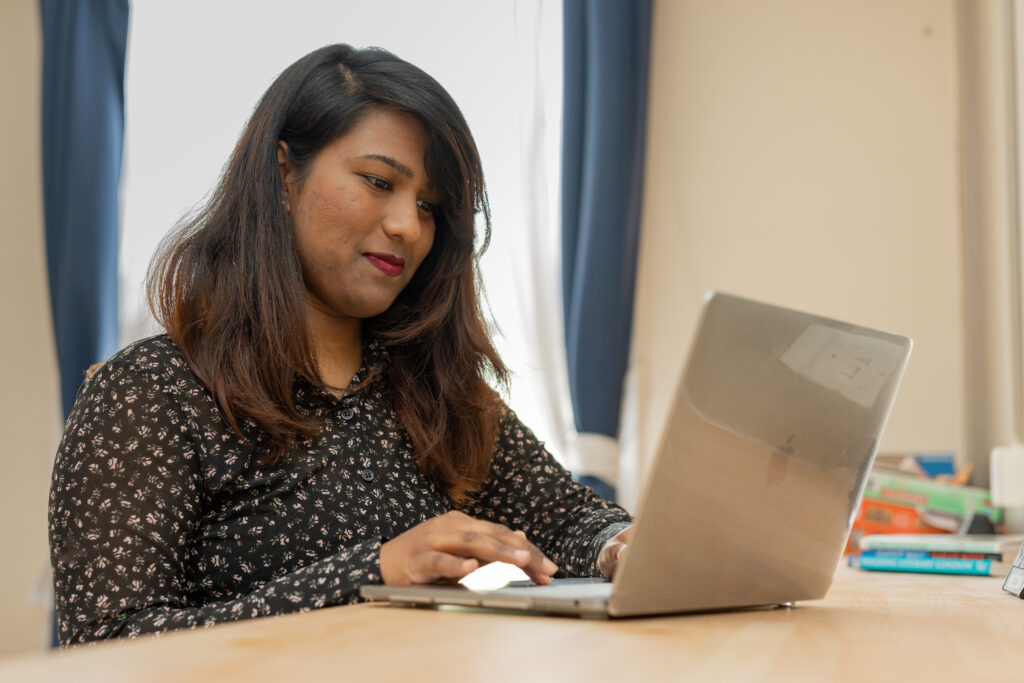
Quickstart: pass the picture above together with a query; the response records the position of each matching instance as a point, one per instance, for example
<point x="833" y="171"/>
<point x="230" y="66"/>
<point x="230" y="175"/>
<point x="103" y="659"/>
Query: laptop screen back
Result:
<point x="762" y="462"/>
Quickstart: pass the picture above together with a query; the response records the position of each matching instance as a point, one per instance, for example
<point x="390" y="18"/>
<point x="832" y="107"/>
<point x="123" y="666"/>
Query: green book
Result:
<point x="962" y="501"/>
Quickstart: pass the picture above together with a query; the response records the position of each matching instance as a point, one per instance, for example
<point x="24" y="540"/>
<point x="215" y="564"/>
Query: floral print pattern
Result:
<point x="160" y="517"/>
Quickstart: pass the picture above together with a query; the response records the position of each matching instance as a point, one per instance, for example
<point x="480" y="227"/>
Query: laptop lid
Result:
<point x="762" y="462"/>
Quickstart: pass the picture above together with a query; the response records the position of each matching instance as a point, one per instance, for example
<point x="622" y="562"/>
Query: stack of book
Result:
<point x="980" y="555"/>
<point x="897" y="502"/>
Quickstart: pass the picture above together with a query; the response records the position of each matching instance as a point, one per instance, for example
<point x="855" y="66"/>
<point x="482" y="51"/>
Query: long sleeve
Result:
<point x="127" y="504"/>
<point x="529" y="490"/>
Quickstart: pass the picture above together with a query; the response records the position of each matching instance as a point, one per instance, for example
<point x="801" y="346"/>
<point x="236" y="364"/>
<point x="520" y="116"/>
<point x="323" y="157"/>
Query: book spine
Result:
<point x="924" y="562"/>
<point x="963" y="553"/>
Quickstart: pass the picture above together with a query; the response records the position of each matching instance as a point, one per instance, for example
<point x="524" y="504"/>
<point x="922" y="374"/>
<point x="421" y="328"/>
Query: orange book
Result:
<point x="880" y="517"/>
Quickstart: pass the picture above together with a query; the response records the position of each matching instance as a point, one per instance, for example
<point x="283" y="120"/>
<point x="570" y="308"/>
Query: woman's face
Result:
<point x="363" y="216"/>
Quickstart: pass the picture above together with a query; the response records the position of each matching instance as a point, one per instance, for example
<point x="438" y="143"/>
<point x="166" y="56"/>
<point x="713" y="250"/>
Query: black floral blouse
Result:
<point x="160" y="519"/>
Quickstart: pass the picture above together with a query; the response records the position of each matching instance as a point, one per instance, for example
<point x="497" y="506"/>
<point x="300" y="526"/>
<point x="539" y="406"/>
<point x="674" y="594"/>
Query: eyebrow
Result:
<point x="393" y="163"/>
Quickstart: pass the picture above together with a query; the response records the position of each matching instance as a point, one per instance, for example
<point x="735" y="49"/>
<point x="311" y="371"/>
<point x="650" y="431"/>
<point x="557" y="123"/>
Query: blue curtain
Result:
<point x="83" y="130"/>
<point x="605" y="107"/>
<point x="84" y="45"/>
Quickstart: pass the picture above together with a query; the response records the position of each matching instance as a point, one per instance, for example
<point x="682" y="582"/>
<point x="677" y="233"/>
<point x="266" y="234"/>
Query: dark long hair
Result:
<point x="227" y="283"/>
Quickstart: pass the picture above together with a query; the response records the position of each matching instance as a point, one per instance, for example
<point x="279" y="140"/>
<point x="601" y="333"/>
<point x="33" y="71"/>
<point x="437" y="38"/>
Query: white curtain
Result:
<point x="522" y="269"/>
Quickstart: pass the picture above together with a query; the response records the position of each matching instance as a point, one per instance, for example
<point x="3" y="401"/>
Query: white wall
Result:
<point x="29" y="412"/>
<point x="805" y="153"/>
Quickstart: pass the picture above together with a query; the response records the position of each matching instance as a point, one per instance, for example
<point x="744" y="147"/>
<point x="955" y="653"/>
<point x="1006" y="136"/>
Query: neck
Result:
<point x="337" y="347"/>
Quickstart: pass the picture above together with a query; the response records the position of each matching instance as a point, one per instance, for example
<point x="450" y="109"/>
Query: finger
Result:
<point x="514" y="547"/>
<point x="540" y="568"/>
<point x="539" y="579"/>
<point x="609" y="557"/>
<point x="477" y="543"/>
<point x="539" y="562"/>
<point x="537" y="566"/>
<point x="478" y="535"/>
<point x="431" y="566"/>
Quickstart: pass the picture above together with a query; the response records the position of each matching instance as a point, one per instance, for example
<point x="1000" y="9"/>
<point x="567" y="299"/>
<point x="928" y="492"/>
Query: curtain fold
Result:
<point x="606" y="45"/>
<point x="84" y="46"/>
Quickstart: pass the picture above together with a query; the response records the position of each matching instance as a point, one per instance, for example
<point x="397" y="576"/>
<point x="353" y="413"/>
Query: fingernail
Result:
<point x="549" y="566"/>
<point x="522" y="555"/>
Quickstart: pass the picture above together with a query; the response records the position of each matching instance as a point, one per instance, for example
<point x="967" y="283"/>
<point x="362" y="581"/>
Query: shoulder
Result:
<point x="145" y="398"/>
<point x="514" y="437"/>
<point x="154" y="363"/>
<point x="130" y="425"/>
<point x="151" y="353"/>
<point x="509" y="423"/>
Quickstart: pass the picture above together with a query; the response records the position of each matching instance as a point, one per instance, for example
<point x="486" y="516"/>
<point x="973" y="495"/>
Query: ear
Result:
<point x="287" y="172"/>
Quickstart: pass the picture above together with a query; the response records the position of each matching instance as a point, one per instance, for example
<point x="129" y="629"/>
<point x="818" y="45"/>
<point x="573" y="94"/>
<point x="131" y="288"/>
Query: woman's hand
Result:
<point x="612" y="553"/>
<point x="454" y="544"/>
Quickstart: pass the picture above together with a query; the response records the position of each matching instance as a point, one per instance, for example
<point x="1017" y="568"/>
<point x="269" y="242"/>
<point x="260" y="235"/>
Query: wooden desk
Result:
<point x="871" y="626"/>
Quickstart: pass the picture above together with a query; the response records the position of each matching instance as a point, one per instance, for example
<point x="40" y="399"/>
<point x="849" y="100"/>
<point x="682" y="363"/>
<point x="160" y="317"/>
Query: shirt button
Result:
<point x="347" y="414"/>
<point x="367" y="475"/>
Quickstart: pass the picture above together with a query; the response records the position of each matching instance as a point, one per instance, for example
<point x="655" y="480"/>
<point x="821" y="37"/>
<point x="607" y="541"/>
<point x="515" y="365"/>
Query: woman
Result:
<point x="316" y="417"/>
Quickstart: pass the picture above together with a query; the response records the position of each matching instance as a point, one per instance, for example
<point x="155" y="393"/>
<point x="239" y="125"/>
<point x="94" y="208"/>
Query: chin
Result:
<point x="366" y="309"/>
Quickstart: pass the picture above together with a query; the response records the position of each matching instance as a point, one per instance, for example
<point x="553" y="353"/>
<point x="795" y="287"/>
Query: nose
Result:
<point x="402" y="220"/>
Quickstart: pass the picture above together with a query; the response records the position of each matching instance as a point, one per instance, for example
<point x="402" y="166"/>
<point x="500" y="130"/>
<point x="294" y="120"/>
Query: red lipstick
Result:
<point x="390" y="265"/>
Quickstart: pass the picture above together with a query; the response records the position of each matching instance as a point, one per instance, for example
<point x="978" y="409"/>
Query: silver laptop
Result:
<point x="757" y="477"/>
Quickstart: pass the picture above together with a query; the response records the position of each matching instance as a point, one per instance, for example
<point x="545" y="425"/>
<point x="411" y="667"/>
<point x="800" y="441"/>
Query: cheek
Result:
<point x="427" y="241"/>
<point x="423" y="247"/>
<point x="332" y="215"/>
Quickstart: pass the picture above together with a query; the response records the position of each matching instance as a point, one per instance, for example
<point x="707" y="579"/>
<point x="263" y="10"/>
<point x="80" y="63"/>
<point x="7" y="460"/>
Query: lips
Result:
<point x="387" y="263"/>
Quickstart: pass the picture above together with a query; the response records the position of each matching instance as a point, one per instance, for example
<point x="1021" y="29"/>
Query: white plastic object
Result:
<point x="1006" y="474"/>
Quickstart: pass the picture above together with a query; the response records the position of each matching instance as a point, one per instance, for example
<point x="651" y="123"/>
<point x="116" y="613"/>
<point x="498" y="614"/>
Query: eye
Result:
<point x="424" y="205"/>
<point x="378" y="183"/>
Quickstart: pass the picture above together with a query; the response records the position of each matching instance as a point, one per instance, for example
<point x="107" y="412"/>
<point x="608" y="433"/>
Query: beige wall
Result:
<point x="29" y="413"/>
<point x="805" y="153"/>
